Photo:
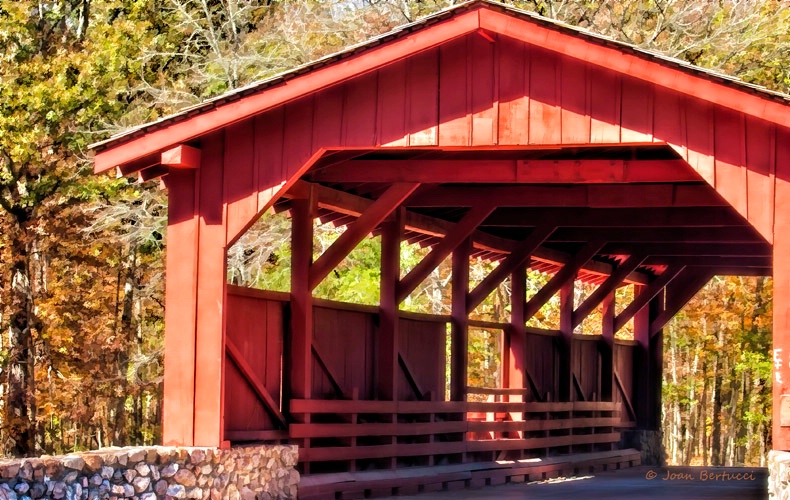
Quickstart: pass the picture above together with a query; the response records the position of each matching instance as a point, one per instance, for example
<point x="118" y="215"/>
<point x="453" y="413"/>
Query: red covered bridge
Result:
<point x="482" y="131"/>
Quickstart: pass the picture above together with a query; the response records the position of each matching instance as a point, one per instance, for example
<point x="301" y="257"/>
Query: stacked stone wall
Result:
<point x="148" y="473"/>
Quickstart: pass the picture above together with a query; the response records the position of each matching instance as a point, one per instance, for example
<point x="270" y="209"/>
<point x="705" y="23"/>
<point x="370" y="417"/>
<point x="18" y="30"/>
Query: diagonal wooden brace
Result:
<point x="462" y="230"/>
<point x="357" y="231"/>
<point x="568" y="272"/>
<point x="520" y="255"/>
<point x="641" y="300"/>
<point x="612" y="282"/>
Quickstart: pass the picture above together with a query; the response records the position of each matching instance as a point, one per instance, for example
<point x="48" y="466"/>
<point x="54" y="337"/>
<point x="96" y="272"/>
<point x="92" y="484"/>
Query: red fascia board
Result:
<point x="289" y="90"/>
<point x="635" y="66"/>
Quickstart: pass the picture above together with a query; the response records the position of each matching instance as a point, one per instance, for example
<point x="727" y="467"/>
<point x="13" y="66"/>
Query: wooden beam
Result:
<point x="641" y="300"/>
<point x="614" y="217"/>
<point x="518" y="257"/>
<point x="566" y="377"/>
<point x="299" y="360"/>
<point x="605" y="288"/>
<point x="679" y="292"/>
<point x="353" y="205"/>
<point x="151" y="173"/>
<point x="731" y="263"/>
<point x="389" y="323"/>
<point x="248" y="373"/>
<point x="508" y="171"/>
<point x="606" y="348"/>
<point x="564" y="275"/>
<point x="459" y="322"/>
<point x="142" y="163"/>
<point x="736" y="234"/>
<point x="357" y="231"/>
<point x="593" y="196"/>
<point x="516" y="335"/>
<point x="181" y="156"/>
<point x="460" y="232"/>
<point x="756" y="249"/>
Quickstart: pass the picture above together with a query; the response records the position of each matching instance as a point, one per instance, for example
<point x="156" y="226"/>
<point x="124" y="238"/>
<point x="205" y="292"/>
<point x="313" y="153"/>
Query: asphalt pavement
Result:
<point x="676" y="483"/>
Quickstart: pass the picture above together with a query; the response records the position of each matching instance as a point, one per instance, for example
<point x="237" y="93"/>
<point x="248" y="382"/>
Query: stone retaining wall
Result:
<point x="148" y="473"/>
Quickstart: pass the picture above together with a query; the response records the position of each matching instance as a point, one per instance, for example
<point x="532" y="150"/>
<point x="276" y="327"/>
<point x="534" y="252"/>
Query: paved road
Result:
<point x="676" y="483"/>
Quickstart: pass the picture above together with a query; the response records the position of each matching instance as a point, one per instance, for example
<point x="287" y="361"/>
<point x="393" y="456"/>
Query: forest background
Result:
<point x="81" y="256"/>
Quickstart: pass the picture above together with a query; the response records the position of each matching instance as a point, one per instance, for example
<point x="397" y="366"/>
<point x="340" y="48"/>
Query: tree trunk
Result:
<point x="20" y="403"/>
<point x="715" y="449"/>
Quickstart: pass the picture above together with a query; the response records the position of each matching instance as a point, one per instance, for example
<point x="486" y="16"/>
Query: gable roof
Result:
<point x="424" y="34"/>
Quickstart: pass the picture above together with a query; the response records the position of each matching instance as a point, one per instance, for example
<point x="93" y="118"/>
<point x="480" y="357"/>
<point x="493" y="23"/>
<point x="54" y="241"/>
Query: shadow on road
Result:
<point x="686" y="483"/>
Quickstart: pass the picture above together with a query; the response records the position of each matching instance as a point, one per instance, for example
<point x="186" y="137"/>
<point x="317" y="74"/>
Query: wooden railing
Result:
<point x="387" y="434"/>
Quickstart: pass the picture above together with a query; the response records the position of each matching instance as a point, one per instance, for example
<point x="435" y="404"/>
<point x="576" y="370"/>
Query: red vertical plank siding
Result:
<point x="180" y="296"/>
<point x="392" y="105"/>
<point x="730" y="158"/>
<point x="359" y="112"/>
<point x="781" y="279"/>
<point x="668" y="120"/>
<point x="636" y="111"/>
<point x="297" y="139"/>
<point x="210" y="335"/>
<point x="274" y="348"/>
<point x="423" y="94"/>
<point x="761" y="161"/>
<point x="513" y="127"/>
<point x="604" y="106"/>
<point x="240" y="177"/>
<point x="575" y="110"/>
<point x="699" y="138"/>
<point x="545" y="117"/>
<point x="328" y="116"/>
<point x="269" y="154"/>
<point x="247" y="327"/>
<point x="454" y="119"/>
<point x="422" y="346"/>
<point x="484" y="90"/>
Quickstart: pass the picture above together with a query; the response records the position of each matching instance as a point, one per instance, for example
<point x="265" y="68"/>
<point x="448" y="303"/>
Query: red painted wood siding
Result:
<point x="470" y="92"/>
<point x="422" y="346"/>
<point x="255" y="326"/>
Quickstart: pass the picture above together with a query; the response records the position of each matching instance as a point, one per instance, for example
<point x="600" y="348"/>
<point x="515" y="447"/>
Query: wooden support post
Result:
<point x="566" y="390"/>
<point x="211" y="283"/>
<point x="178" y="407"/>
<point x="516" y="337"/>
<point x="647" y="363"/>
<point x="459" y="321"/>
<point x="781" y="313"/>
<point x="300" y="345"/>
<point x="606" y="348"/>
<point x="388" y="340"/>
